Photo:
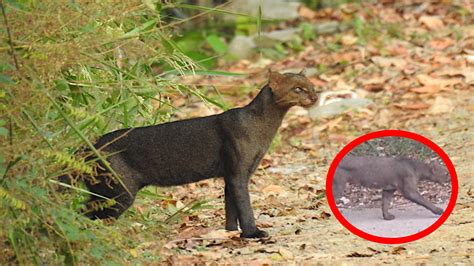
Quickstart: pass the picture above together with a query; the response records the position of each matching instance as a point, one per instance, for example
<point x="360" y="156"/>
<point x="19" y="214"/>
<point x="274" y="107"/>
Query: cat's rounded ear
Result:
<point x="275" y="78"/>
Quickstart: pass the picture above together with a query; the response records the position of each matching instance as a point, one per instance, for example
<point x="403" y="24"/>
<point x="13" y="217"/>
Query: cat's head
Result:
<point x="292" y="89"/>
<point x="439" y="173"/>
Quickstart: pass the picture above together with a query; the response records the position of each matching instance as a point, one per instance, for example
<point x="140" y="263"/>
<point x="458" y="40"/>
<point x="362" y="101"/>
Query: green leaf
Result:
<point x="333" y="47"/>
<point x="6" y="66"/>
<point x="204" y="60"/>
<point x="144" y="27"/>
<point x="90" y="27"/>
<point x="62" y="85"/>
<point x="190" y="41"/>
<point x="97" y="251"/>
<point x="217" y="44"/>
<point x="5" y="79"/>
<point x="308" y="32"/>
<point x="154" y="195"/>
<point x="154" y="5"/>
<point x="360" y="29"/>
<point x="3" y="132"/>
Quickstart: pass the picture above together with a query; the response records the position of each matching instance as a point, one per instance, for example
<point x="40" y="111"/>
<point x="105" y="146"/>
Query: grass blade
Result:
<point x="216" y="10"/>
<point x="204" y="72"/>
<point x="86" y="140"/>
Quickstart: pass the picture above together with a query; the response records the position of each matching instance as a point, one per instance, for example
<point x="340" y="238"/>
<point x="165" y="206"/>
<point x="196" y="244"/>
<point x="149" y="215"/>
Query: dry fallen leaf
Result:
<point x="467" y="73"/>
<point x="359" y="255"/>
<point x="317" y="82"/>
<point x="348" y="40"/>
<point x="398" y="250"/>
<point x="273" y="189"/>
<point x="329" y="125"/>
<point x="389" y="61"/>
<point x="220" y="233"/>
<point x="324" y="215"/>
<point x="426" y="89"/>
<point x="441" y="44"/>
<point x="383" y="118"/>
<point x="134" y="252"/>
<point x="266" y="162"/>
<point x="374" y="80"/>
<point x="440" y="82"/>
<point x="441" y="105"/>
<point x="306" y="12"/>
<point x="285" y="253"/>
<point x="211" y="255"/>
<point x="342" y="85"/>
<point x="328" y="78"/>
<point x="413" y="106"/>
<point x="431" y="22"/>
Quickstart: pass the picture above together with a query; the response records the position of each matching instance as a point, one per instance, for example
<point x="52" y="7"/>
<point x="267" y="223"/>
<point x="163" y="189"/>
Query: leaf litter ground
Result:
<point x="419" y="76"/>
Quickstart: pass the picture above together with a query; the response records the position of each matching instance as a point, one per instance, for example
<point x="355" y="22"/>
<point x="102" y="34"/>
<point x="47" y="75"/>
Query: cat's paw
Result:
<point x="257" y="234"/>
<point x="231" y="227"/>
<point x="389" y="217"/>
<point x="438" y="211"/>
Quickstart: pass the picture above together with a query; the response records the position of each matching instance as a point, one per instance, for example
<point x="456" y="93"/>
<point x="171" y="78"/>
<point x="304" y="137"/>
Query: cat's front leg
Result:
<point x="387" y="195"/>
<point x="231" y="212"/>
<point x="238" y="188"/>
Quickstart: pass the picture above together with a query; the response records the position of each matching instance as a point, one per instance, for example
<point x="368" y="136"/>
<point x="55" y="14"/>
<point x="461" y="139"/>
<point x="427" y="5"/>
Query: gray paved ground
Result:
<point x="409" y="219"/>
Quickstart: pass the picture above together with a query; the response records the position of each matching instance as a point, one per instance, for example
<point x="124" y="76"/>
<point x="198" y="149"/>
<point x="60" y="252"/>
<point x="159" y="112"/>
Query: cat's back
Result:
<point x="360" y="162"/>
<point x="191" y="130"/>
<point x="375" y="168"/>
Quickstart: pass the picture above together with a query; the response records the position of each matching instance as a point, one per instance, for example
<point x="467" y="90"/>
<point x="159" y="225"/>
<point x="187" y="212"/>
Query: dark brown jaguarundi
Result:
<point x="389" y="174"/>
<point x="229" y="145"/>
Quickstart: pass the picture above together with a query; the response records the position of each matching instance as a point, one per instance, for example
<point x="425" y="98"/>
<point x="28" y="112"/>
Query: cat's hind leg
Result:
<point x="100" y="208"/>
<point x="119" y="198"/>
<point x="411" y="192"/>
<point x="339" y="181"/>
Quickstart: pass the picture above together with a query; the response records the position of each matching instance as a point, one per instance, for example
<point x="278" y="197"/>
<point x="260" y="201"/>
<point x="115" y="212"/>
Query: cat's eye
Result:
<point x="298" y="90"/>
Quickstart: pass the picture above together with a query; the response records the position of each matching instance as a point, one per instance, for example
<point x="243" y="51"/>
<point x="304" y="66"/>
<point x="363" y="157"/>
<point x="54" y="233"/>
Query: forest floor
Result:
<point x="288" y="203"/>
<point x="419" y="77"/>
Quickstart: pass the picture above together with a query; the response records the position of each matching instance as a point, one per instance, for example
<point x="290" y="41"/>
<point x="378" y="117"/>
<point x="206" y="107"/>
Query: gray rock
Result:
<point x="268" y="39"/>
<point x="287" y="169"/>
<point x="337" y="107"/>
<point x="242" y="47"/>
<point x="308" y="71"/>
<point x="326" y="27"/>
<point x="271" y="9"/>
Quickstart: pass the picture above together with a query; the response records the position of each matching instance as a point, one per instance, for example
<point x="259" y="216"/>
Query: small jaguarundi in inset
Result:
<point x="229" y="145"/>
<point x="389" y="174"/>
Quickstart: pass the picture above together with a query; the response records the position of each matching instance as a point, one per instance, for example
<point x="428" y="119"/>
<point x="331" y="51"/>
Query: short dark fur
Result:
<point x="389" y="174"/>
<point x="230" y="144"/>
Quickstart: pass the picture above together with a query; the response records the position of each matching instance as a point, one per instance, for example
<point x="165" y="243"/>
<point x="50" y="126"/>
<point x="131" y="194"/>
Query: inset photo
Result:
<point x="392" y="186"/>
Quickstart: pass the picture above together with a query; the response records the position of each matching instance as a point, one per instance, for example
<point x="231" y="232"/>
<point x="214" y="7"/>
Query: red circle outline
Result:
<point x="392" y="133"/>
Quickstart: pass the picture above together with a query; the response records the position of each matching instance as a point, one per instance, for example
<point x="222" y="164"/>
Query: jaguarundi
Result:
<point x="229" y="145"/>
<point x="389" y="174"/>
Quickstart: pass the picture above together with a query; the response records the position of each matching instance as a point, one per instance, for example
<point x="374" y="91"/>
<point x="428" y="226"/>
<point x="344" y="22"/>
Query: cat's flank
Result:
<point x="229" y="145"/>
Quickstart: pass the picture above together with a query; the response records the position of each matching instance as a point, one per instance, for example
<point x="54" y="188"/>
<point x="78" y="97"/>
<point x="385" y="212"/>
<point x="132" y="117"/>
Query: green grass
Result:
<point x="78" y="70"/>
